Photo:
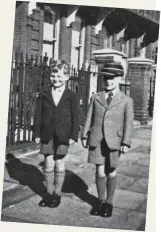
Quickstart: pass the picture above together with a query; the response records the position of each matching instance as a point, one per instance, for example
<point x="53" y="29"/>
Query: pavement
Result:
<point x="24" y="185"/>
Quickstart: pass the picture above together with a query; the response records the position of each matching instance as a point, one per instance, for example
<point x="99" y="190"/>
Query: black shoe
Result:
<point x="106" y="210"/>
<point x="44" y="201"/>
<point x="55" y="201"/>
<point x="95" y="211"/>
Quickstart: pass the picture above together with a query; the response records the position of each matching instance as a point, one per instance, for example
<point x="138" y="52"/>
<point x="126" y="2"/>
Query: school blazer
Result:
<point x="114" y="123"/>
<point x="60" y="120"/>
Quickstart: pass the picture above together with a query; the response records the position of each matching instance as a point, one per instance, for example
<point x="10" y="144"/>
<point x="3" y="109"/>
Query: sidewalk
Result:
<point x="23" y="186"/>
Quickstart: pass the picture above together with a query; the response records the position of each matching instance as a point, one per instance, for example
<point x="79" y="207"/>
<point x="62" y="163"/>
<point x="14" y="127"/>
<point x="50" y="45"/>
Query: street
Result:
<point x="23" y="188"/>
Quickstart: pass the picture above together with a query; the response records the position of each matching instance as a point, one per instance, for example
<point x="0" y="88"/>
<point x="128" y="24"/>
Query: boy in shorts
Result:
<point x="107" y="132"/>
<point x="56" y="127"/>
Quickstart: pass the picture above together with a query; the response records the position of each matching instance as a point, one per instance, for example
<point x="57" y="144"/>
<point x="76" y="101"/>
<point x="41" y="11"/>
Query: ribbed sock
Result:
<point x="59" y="180"/>
<point x="111" y="186"/>
<point x="101" y="188"/>
<point x="49" y="181"/>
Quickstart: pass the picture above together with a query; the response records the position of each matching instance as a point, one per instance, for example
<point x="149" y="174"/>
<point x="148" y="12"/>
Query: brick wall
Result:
<point x="41" y="25"/>
<point x="28" y="31"/>
<point x="29" y="34"/>
<point x="87" y="54"/>
<point x="65" y="37"/>
<point x="20" y="32"/>
<point x="36" y="37"/>
<point x="140" y="79"/>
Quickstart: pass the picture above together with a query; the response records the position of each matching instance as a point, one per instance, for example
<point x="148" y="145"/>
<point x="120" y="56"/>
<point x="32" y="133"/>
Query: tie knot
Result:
<point x="110" y="94"/>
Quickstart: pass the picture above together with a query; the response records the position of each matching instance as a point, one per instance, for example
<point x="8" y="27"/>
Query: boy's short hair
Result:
<point x="59" y="64"/>
<point x="113" y="69"/>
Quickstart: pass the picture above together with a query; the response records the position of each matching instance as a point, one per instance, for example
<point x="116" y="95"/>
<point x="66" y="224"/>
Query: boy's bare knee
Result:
<point x="48" y="168"/>
<point x="112" y="174"/>
<point x="100" y="170"/>
<point x="59" y="166"/>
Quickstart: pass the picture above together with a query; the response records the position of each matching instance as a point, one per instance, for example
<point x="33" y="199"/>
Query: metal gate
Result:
<point x="79" y="83"/>
<point x="28" y="75"/>
<point x="26" y="82"/>
<point x="151" y="93"/>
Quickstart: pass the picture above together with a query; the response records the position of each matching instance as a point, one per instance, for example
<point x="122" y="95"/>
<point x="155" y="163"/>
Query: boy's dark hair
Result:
<point x="59" y="64"/>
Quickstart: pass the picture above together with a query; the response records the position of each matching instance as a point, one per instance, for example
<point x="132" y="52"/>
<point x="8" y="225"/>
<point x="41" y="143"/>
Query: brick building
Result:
<point x="28" y="30"/>
<point x="74" y="33"/>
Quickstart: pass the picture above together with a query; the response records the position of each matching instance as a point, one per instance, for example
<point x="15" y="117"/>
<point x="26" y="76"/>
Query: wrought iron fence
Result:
<point x="28" y="75"/>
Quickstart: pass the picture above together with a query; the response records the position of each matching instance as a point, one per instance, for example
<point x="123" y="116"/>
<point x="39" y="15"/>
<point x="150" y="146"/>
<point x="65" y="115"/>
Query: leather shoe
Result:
<point x="44" y="200"/>
<point x="55" y="201"/>
<point x="95" y="211"/>
<point x="106" y="210"/>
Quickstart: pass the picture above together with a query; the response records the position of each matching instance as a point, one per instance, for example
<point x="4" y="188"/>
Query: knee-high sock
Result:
<point x="101" y="187"/>
<point x="49" y="181"/>
<point x="59" y="180"/>
<point x="111" y="186"/>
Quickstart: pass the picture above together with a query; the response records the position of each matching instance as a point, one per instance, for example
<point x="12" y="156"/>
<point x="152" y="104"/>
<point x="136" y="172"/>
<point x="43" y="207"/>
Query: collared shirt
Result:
<point x="57" y="94"/>
<point x="113" y="92"/>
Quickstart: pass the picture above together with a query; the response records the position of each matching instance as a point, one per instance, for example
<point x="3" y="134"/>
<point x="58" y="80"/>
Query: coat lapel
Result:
<point x="116" y="99"/>
<point x="64" y="97"/>
<point x="101" y="99"/>
<point x="48" y="96"/>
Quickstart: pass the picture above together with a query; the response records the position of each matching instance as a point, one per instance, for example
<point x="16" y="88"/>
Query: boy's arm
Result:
<point x="87" y="123"/>
<point x="37" y="117"/>
<point x="75" y="118"/>
<point x="128" y="123"/>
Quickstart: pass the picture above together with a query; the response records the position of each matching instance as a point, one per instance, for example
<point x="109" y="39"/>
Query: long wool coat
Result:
<point x="60" y="120"/>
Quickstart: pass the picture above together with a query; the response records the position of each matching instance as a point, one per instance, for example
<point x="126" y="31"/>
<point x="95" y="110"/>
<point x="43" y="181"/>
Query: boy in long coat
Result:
<point x="56" y="127"/>
<point x="107" y="132"/>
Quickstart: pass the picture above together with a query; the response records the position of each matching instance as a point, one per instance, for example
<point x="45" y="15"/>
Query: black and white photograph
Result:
<point x="80" y="115"/>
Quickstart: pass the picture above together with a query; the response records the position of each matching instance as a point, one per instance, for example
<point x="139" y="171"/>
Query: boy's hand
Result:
<point x="124" y="149"/>
<point x="37" y="140"/>
<point x="71" y="142"/>
<point x="84" y="142"/>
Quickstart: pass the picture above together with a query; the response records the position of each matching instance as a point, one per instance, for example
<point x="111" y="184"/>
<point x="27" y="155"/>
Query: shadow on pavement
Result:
<point x="74" y="184"/>
<point x="29" y="175"/>
<point x="26" y="174"/>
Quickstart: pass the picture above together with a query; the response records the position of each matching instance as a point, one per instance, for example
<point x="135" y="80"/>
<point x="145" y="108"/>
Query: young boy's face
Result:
<point x="58" y="78"/>
<point x="111" y="82"/>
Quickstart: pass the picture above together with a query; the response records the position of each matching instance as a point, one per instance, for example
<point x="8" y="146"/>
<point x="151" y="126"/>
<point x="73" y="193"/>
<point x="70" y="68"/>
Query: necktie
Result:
<point x="109" y="99"/>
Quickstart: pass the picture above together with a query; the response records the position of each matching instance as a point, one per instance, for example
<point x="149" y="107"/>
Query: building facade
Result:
<point x="72" y="32"/>
<point x="77" y="34"/>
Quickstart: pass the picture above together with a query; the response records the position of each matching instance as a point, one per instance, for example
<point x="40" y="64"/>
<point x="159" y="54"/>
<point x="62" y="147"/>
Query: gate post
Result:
<point x="103" y="56"/>
<point x="139" y="74"/>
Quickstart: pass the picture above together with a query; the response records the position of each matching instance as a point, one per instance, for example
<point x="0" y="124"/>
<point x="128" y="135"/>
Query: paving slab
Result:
<point x="123" y="181"/>
<point x="134" y="170"/>
<point x="73" y="213"/>
<point x="25" y="175"/>
<point x="139" y="185"/>
<point x="143" y="207"/>
<point x="128" y="200"/>
<point x="134" y="157"/>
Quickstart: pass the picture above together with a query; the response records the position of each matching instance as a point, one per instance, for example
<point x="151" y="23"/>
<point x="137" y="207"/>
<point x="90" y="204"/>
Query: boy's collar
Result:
<point x="114" y="91"/>
<point x="59" y="89"/>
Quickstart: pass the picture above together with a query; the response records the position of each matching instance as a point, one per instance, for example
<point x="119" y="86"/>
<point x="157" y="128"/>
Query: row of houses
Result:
<point x="72" y="32"/>
<point x="83" y="36"/>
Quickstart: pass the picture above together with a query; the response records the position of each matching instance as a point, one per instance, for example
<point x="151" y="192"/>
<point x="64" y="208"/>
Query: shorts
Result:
<point x="54" y="147"/>
<point x="103" y="155"/>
